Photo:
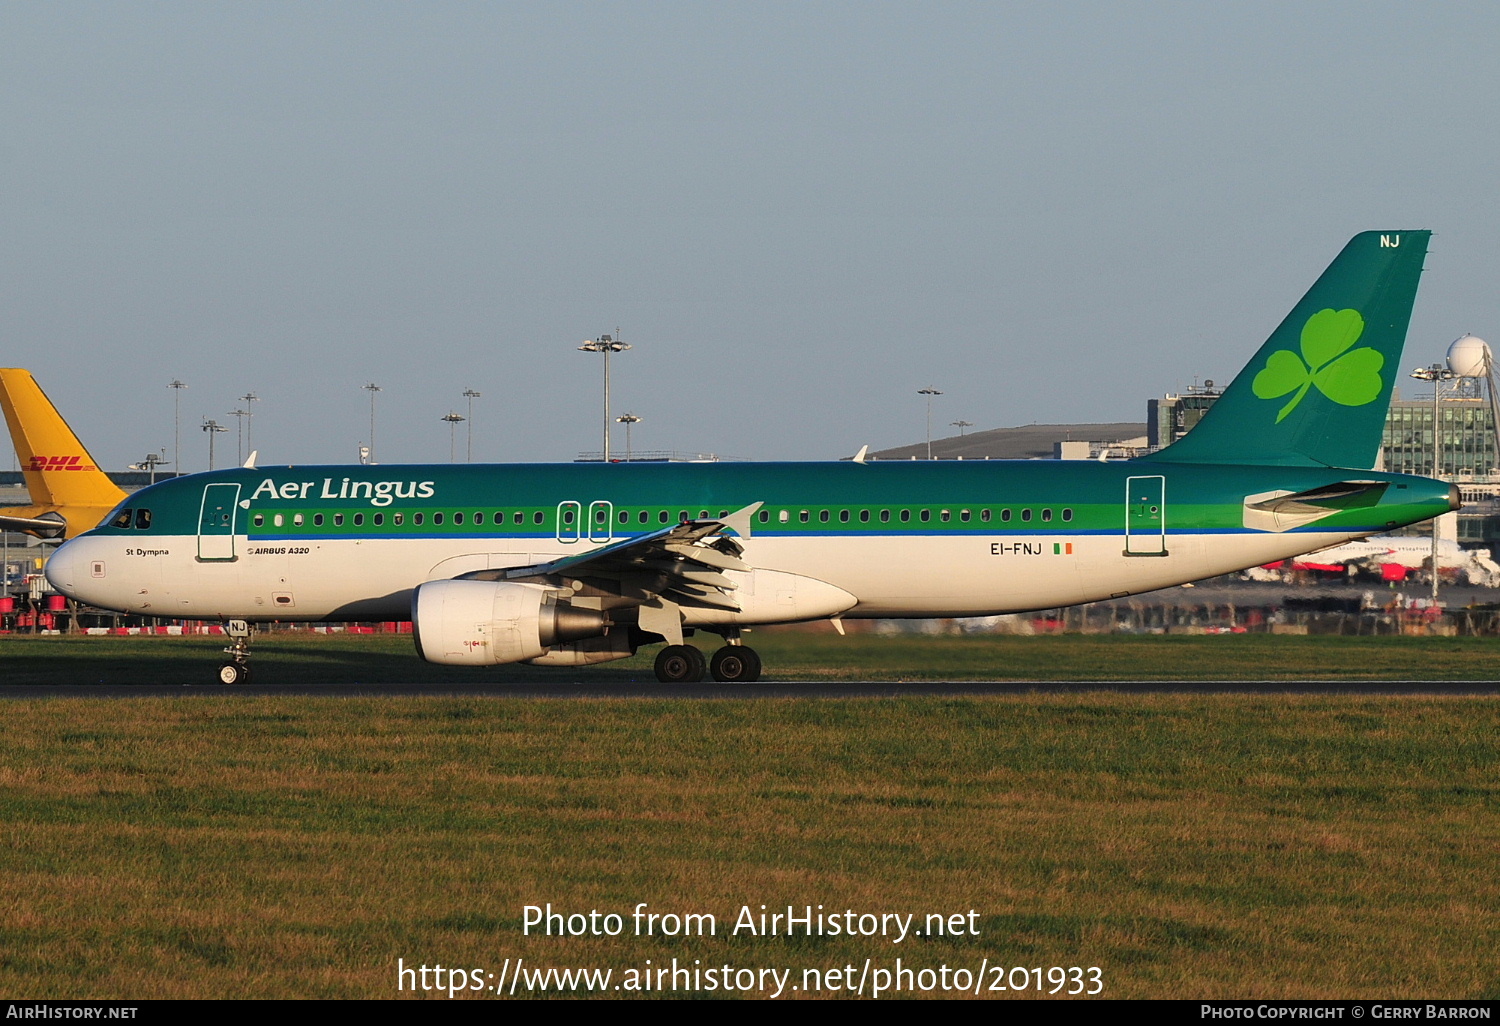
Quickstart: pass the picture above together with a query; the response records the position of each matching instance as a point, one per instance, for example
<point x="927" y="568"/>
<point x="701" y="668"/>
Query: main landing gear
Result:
<point x="684" y="664"/>
<point x="237" y="669"/>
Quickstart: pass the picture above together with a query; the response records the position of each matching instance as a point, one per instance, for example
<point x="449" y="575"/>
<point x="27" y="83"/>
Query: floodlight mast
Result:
<point x="605" y="344"/>
<point x="1436" y="374"/>
<point x="453" y="420"/>
<point x="470" y="394"/>
<point x="177" y="387"/>
<point x="372" y="388"/>
<point x="213" y="427"/>
<point x="629" y="420"/>
<point x="929" y="393"/>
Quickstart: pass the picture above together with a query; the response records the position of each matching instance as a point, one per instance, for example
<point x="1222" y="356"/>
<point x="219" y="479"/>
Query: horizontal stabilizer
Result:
<point x="42" y="527"/>
<point x="1285" y="511"/>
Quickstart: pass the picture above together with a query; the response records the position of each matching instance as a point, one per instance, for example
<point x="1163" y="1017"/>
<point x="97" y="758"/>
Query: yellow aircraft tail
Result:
<point x="61" y="477"/>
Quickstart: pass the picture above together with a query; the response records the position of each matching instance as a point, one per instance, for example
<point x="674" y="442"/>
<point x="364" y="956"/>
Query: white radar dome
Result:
<point x="1469" y="357"/>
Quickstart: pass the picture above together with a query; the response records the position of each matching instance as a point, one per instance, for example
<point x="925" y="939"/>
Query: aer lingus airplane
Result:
<point x="563" y="565"/>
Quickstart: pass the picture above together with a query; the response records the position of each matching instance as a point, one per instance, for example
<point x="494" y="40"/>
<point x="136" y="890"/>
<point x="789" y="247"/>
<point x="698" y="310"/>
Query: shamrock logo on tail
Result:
<point x="1349" y="378"/>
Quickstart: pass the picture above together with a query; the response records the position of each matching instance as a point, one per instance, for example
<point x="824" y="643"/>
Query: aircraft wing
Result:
<point x="660" y="572"/>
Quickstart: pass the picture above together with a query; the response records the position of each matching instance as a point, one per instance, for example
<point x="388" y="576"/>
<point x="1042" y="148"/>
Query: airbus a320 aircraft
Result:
<point x="564" y="565"/>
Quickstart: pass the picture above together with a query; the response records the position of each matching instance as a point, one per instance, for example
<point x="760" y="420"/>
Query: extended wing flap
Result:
<point x="685" y="563"/>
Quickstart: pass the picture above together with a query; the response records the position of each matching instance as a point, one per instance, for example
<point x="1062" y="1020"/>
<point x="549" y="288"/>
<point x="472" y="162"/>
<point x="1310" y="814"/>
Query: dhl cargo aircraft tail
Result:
<point x="69" y="493"/>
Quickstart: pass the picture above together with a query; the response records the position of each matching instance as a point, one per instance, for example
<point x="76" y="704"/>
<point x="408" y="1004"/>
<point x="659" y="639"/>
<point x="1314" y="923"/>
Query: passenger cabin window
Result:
<point x="437" y="518"/>
<point x="925" y="515"/>
<point x="458" y="518"/>
<point x="416" y="518"/>
<point x="258" y="520"/>
<point x="1067" y="515"/>
<point x="398" y="519"/>
<point x="338" y="520"/>
<point x="317" y="520"/>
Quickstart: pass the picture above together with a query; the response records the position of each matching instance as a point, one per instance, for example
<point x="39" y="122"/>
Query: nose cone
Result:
<point x="62" y="568"/>
<point x="69" y="567"/>
<point x="1455" y="498"/>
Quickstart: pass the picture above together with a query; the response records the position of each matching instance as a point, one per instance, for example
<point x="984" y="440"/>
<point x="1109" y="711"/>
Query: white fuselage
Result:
<point x="890" y="576"/>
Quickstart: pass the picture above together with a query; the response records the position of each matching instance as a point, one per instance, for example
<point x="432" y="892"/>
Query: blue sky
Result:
<point x="798" y="213"/>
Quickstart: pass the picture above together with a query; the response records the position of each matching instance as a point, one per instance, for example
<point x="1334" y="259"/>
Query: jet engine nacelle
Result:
<point x="484" y="623"/>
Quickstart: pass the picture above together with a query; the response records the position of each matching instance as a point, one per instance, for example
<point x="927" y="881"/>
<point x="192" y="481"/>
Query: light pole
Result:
<point x="628" y="419"/>
<point x="213" y="427"/>
<point x="471" y="395"/>
<point x="605" y="344"/>
<point x="961" y="425"/>
<point x="239" y="434"/>
<point x="177" y="387"/>
<point x="247" y="399"/>
<point x="929" y="393"/>
<point x="372" y="388"/>
<point x="1436" y="374"/>
<point x="454" y="420"/>
<point x="151" y="462"/>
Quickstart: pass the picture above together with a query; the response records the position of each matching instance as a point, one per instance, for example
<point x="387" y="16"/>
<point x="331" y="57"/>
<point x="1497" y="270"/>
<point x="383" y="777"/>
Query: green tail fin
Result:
<point x="1318" y="390"/>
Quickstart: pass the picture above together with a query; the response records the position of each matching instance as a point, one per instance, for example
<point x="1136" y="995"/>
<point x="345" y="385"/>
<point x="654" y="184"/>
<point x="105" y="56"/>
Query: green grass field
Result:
<point x="304" y="658"/>
<point x="1189" y="846"/>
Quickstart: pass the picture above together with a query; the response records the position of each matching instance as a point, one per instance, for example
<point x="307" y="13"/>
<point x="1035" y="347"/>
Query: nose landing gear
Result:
<point x="237" y="669"/>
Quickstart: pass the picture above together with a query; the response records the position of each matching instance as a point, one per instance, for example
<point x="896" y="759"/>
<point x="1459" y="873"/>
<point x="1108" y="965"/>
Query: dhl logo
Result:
<point x="59" y="463"/>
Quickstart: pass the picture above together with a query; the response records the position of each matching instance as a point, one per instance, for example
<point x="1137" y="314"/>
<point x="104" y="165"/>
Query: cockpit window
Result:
<point x="121" y="519"/>
<point x="143" y="520"/>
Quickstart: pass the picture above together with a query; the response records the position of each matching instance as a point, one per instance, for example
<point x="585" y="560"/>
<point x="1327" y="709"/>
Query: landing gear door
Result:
<point x="216" y="523"/>
<point x="1146" y="516"/>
